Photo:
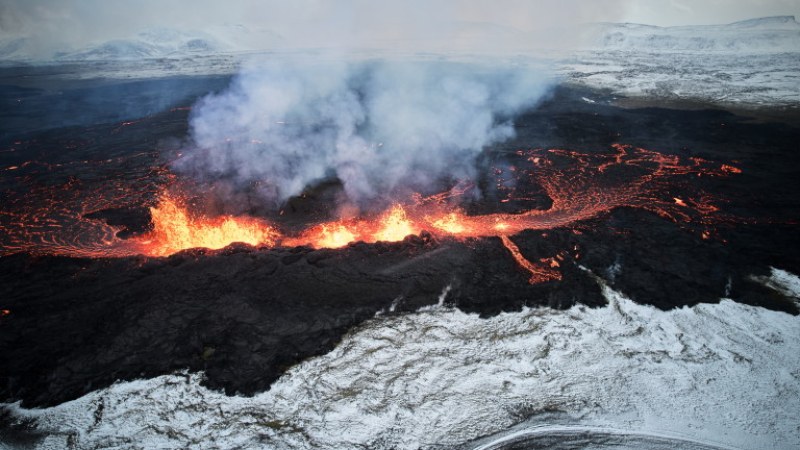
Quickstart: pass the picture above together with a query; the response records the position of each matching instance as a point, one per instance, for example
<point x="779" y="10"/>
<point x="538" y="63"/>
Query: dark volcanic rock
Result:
<point x="241" y="314"/>
<point x="134" y="220"/>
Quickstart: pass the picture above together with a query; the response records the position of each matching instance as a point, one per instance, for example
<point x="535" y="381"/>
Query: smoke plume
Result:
<point x="383" y="128"/>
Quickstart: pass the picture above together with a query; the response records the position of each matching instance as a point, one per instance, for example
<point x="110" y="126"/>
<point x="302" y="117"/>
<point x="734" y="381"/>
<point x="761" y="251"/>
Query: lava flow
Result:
<point x="580" y="185"/>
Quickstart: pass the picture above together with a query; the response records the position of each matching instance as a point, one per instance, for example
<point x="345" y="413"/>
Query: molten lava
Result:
<point x="330" y="236"/>
<point x="55" y="218"/>
<point x="174" y="229"/>
<point x="451" y="223"/>
<point x="394" y="226"/>
<point x="540" y="273"/>
<point x="391" y="226"/>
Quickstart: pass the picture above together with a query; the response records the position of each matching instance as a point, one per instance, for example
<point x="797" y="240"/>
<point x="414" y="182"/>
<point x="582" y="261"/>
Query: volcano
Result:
<point x="115" y="267"/>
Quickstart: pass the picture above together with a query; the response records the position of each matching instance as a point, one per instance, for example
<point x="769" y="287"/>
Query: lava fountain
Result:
<point x="175" y="229"/>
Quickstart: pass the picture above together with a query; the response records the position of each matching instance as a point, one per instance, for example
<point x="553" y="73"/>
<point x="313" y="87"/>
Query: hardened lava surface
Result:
<point x="670" y="207"/>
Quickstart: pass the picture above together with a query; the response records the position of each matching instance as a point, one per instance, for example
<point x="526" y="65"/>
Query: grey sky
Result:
<point x="57" y="23"/>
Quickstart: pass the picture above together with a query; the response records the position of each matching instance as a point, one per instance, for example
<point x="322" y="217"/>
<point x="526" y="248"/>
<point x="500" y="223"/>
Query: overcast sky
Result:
<point x="307" y="22"/>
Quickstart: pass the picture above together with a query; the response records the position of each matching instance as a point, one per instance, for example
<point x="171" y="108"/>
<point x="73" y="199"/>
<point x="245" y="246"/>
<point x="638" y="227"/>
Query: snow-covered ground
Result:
<point x="714" y="375"/>
<point x="751" y="63"/>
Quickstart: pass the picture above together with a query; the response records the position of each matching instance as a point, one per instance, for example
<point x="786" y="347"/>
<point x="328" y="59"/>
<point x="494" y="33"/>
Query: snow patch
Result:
<point x="751" y="63"/>
<point x="770" y="34"/>
<point x="726" y="374"/>
<point x="557" y="437"/>
<point x="783" y="282"/>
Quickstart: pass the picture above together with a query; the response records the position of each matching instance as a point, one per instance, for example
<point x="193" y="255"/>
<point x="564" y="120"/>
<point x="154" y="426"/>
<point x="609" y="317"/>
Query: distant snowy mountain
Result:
<point x="775" y="22"/>
<point x="751" y="63"/>
<point x="152" y="43"/>
<point x="12" y="48"/>
<point x="147" y="44"/>
<point x="766" y="34"/>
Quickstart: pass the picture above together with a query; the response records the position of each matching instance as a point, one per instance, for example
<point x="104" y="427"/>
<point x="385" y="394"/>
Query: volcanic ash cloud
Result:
<point x="383" y="128"/>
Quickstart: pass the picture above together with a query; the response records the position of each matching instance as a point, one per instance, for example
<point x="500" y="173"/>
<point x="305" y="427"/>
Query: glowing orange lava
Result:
<point x="330" y="236"/>
<point x="451" y="223"/>
<point x="391" y="226"/>
<point x="394" y="226"/>
<point x="540" y="273"/>
<point x="175" y="229"/>
<point x="55" y="219"/>
<point x="730" y="169"/>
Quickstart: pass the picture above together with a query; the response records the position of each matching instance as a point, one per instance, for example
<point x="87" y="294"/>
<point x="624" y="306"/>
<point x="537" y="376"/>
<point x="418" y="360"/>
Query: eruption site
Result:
<point x="391" y="134"/>
<point x="580" y="186"/>
<point x="398" y="225"/>
<point x="105" y="229"/>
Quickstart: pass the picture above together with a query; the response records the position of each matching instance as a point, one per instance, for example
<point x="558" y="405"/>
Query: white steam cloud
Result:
<point x="383" y="128"/>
